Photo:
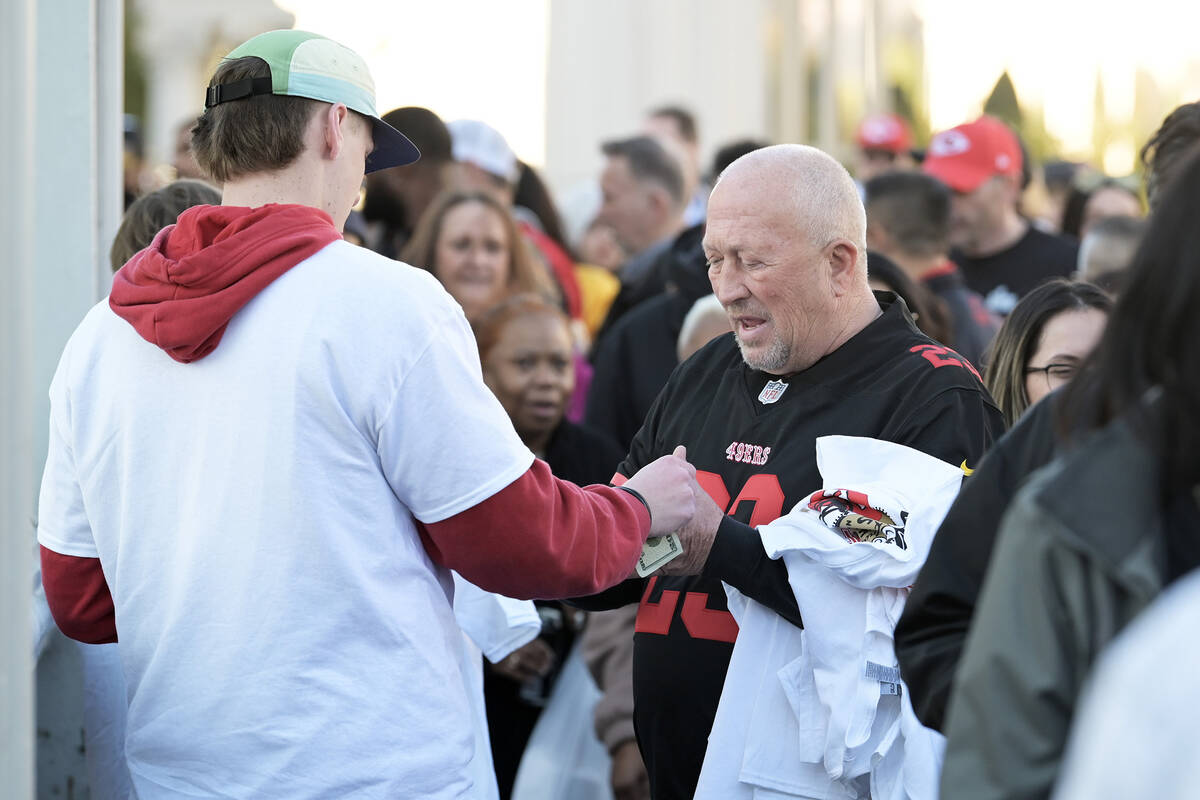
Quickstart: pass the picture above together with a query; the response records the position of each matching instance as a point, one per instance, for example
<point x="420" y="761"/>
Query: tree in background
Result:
<point x="1031" y="127"/>
<point x="135" y="67"/>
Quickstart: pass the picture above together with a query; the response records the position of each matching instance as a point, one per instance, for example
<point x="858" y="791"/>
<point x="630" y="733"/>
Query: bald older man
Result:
<point x="813" y="352"/>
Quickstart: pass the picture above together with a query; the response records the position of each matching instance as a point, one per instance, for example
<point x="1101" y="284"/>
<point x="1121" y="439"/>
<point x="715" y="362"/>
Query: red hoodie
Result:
<point x="537" y="537"/>
<point x="181" y="291"/>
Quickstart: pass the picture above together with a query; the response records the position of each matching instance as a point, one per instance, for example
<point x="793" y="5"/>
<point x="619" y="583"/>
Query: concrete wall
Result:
<point x="76" y="156"/>
<point x="17" y="32"/>
<point x="611" y="62"/>
<point x="181" y="44"/>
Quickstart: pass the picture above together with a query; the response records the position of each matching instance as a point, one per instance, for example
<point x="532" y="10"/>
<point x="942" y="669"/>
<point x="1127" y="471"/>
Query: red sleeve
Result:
<point x="78" y="597"/>
<point x="541" y="537"/>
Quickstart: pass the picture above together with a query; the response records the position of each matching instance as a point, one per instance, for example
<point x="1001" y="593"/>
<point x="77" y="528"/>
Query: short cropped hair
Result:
<point x="254" y="134"/>
<point x="914" y="209"/>
<point x="728" y="153"/>
<point x="425" y="129"/>
<point x="154" y="211"/>
<point x="649" y="161"/>
<point x="684" y="120"/>
<point x="706" y="308"/>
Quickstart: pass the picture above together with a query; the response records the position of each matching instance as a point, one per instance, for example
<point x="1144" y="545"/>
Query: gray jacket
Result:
<point x="1080" y="553"/>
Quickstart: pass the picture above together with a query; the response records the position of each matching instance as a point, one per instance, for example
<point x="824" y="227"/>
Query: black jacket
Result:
<point x="634" y="358"/>
<point x="933" y="628"/>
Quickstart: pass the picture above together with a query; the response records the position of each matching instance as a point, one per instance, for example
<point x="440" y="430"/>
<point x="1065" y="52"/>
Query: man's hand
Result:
<point x="532" y="660"/>
<point x="667" y="483"/>
<point x="697" y="536"/>
<point x="629" y="779"/>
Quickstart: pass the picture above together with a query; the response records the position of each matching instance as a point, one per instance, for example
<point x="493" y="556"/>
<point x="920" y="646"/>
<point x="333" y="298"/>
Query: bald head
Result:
<point x="812" y="185"/>
<point x="786" y="247"/>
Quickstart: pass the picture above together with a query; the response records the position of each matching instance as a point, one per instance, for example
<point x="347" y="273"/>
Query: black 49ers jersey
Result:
<point x="752" y="439"/>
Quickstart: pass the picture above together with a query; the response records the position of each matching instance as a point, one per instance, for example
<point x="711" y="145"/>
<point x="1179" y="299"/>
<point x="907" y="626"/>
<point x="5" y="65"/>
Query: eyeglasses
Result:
<point x="1056" y="374"/>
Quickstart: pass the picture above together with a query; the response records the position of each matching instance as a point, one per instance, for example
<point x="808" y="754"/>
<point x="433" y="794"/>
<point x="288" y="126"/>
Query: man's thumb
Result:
<point x="681" y="452"/>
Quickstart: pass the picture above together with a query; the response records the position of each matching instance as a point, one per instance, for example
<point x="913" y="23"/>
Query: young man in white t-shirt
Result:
<point x="268" y="447"/>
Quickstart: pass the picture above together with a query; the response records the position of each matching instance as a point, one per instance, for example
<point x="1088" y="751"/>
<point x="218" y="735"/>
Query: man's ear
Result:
<point x="1012" y="189"/>
<point x="843" y="265"/>
<point x="334" y="119"/>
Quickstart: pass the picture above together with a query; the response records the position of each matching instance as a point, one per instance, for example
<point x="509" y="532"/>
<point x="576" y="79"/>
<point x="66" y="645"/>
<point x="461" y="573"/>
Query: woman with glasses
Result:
<point x="1042" y="343"/>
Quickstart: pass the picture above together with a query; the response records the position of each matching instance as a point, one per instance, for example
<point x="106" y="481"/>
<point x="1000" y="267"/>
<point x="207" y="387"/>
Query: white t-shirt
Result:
<point x="282" y="630"/>
<point x="1134" y="732"/>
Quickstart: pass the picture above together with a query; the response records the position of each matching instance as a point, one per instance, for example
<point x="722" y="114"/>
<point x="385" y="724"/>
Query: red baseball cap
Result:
<point x="884" y="132"/>
<point x="966" y="156"/>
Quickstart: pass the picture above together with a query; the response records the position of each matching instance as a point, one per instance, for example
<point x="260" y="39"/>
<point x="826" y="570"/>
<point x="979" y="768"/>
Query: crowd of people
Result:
<point x="305" y="447"/>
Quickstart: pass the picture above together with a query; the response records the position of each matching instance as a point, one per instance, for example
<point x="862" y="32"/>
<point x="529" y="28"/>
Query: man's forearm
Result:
<point x="543" y="538"/>
<point x="78" y="596"/>
<point x="738" y="558"/>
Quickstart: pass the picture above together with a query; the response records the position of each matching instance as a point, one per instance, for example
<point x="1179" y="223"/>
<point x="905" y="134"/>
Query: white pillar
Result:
<point x="827" y="136"/>
<point x="77" y="204"/>
<point x="17" y="30"/>
<point x="181" y="43"/>
<point x="110" y="146"/>
<point x="612" y="62"/>
<point x="788" y="95"/>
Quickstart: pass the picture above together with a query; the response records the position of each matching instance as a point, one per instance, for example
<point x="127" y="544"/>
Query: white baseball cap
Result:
<point x="480" y="144"/>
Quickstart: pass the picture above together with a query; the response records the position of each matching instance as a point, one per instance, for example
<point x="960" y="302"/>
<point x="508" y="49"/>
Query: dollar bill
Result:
<point x="657" y="551"/>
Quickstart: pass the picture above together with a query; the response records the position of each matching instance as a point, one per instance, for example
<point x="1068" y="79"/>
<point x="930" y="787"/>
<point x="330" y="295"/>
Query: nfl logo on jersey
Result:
<point x="772" y="392"/>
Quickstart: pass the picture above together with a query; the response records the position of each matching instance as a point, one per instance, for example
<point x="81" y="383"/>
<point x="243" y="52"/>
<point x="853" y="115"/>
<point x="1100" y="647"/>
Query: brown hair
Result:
<point x="489" y="325"/>
<point x="526" y="274"/>
<point x="928" y="310"/>
<point x="1018" y="338"/>
<point x="253" y="134"/>
<point x="1167" y="151"/>
<point x="154" y="211"/>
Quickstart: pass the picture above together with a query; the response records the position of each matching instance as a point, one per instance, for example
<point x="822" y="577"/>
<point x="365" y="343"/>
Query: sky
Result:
<point x="1053" y="50"/>
<point x="509" y="37"/>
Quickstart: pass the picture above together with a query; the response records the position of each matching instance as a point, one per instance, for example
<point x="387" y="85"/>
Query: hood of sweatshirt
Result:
<point x="181" y="291"/>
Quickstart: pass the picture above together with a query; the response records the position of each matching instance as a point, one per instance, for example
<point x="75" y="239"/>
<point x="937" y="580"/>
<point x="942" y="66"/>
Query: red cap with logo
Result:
<point x="965" y="157"/>
<point x="884" y="132"/>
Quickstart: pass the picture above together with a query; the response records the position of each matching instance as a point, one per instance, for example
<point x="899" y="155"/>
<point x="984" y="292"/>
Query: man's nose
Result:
<point x="728" y="285"/>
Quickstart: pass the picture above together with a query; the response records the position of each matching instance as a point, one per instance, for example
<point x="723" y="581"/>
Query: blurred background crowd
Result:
<point x="568" y="149"/>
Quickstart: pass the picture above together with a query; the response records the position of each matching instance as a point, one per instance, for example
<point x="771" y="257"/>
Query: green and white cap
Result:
<point x="308" y="65"/>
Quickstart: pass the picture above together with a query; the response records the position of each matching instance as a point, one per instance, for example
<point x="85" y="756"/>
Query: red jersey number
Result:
<point x="701" y="621"/>
<point x="943" y="357"/>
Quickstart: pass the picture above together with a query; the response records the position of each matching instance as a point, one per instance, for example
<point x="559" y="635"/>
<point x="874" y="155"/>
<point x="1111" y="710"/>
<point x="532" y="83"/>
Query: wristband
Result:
<point x="640" y="499"/>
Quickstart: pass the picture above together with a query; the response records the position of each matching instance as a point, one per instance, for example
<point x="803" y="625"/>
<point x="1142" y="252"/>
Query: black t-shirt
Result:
<point x="974" y="325"/>
<point x="1004" y="278"/>
<point x="634" y="356"/>
<point x="582" y="455"/>
<point x="758" y="459"/>
<point x="632" y="363"/>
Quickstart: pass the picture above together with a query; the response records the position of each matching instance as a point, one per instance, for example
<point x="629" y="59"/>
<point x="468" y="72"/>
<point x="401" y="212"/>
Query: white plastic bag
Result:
<point x="564" y="760"/>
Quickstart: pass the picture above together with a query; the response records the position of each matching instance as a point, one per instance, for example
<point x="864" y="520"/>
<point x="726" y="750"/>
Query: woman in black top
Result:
<point x="525" y="350"/>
